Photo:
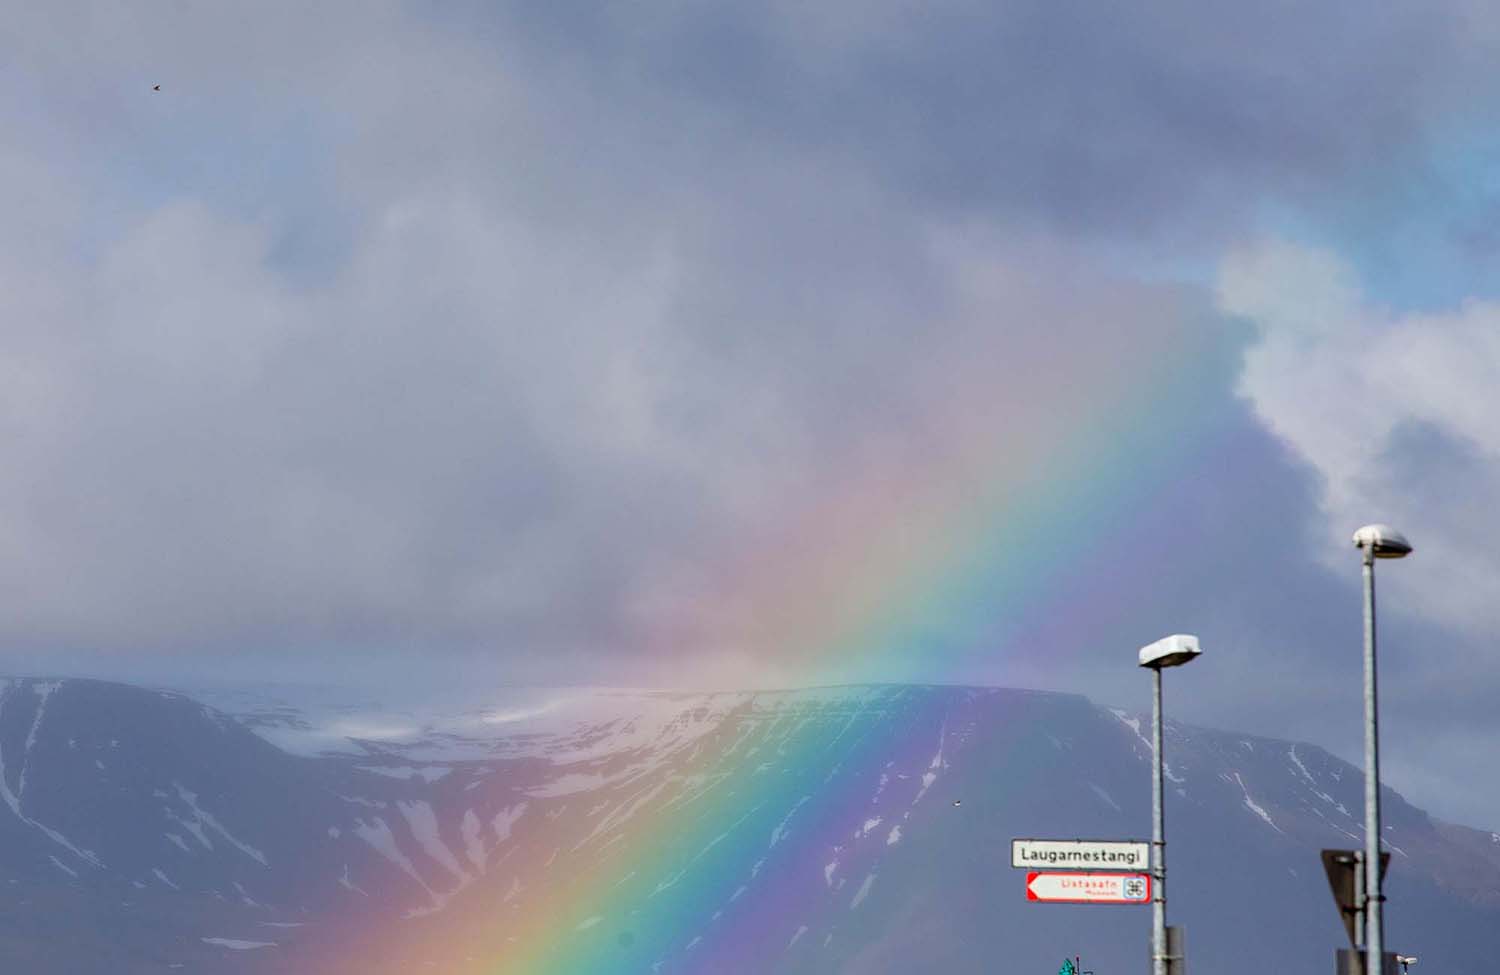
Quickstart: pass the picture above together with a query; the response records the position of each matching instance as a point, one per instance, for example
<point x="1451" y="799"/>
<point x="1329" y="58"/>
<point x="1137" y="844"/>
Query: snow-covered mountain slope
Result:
<point x="857" y="829"/>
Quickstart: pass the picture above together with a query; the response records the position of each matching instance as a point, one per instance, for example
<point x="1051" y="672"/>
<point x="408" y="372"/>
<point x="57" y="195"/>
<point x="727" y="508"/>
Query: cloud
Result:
<point x="1396" y="412"/>
<point x="1174" y="124"/>
<point x="521" y="334"/>
<point x="413" y="333"/>
<point x="485" y="430"/>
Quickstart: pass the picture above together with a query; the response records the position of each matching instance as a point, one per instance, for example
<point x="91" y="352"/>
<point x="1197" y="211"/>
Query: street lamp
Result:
<point x="1374" y="542"/>
<point x="1171" y="651"/>
<point x="1406" y="961"/>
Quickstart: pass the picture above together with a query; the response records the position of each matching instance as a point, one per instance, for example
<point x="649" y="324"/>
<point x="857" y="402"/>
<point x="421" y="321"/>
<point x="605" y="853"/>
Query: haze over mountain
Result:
<point x="849" y="829"/>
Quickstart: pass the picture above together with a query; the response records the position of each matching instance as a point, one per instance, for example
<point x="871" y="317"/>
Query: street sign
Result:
<point x="1088" y="888"/>
<point x="1080" y="854"/>
<point x="1345" y="870"/>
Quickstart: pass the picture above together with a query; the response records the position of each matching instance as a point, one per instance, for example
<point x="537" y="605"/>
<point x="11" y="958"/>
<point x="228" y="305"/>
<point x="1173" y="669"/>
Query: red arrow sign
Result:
<point x="1089" y="888"/>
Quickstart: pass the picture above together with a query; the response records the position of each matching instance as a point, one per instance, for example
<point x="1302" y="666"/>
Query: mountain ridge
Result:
<point x="881" y="820"/>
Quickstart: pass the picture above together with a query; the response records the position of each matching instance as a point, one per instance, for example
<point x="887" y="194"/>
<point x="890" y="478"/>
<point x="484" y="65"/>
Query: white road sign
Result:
<point x="1080" y="854"/>
<point x="1089" y="888"/>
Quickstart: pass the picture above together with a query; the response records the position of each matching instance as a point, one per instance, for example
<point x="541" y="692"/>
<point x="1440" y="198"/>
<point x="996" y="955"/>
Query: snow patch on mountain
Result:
<point x="349" y="884"/>
<point x="206" y="818"/>
<point x="1292" y="754"/>
<point x="379" y="836"/>
<point x="245" y="897"/>
<point x="424" y="829"/>
<point x="1134" y="724"/>
<point x="930" y="776"/>
<point x="13" y="800"/>
<point x="426" y="773"/>
<point x="238" y="944"/>
<point x="571" y="784"/>
<point x="43" y="691"/>
<point x="1254" y="807"/>
<point x="780" y="830"/>
<point x="622" y="813"/>
<point x="863" y="892"/>
<point x="505" y="819"/>
<point x="473" y="844"/>
<point x="1297" y="762"/>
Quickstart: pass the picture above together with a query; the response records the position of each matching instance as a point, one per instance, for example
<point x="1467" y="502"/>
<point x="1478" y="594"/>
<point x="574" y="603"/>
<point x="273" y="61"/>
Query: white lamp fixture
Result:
<point x="1383" y="541"/>
<point x="1170" y="651"/>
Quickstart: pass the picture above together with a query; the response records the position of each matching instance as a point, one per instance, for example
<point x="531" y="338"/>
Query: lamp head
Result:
<point x="1383" y="541"/>
<point x="1170" y="651"/>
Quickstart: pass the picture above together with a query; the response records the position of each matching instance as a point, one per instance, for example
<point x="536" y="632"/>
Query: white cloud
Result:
<point x="1398" y="413"/>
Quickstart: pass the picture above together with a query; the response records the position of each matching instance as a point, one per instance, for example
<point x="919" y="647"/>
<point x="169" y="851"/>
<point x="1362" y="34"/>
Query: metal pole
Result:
<point x="1374" y="929"/>
<point x="1158" y="840"/>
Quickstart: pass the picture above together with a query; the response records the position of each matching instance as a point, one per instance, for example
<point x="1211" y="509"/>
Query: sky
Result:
<point x="748" y="345"/>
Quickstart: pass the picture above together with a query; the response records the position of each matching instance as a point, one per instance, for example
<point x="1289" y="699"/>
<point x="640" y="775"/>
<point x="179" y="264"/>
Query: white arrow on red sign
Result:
<point x="1089" y="888"/>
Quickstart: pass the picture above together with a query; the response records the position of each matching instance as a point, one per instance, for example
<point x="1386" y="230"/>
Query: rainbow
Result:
<point x="903" y="575"/>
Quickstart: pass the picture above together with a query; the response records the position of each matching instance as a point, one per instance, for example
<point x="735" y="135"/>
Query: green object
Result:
<point x="1067" y="968"/>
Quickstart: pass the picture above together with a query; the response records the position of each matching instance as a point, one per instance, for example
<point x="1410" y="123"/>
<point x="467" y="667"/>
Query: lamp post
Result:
<point x="1374" y="542"/>
<point x="1172" y="651"/>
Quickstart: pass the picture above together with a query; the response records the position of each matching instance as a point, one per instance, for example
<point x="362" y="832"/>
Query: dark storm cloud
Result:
<point x="1071" y="116"/>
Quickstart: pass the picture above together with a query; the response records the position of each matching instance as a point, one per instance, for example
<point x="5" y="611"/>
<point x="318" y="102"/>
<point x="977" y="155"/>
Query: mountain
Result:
<point x="858" y="829"/>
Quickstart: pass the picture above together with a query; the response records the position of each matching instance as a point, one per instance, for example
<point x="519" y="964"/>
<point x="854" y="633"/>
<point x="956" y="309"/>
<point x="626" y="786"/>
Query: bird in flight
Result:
<point x="156" y="87"/>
